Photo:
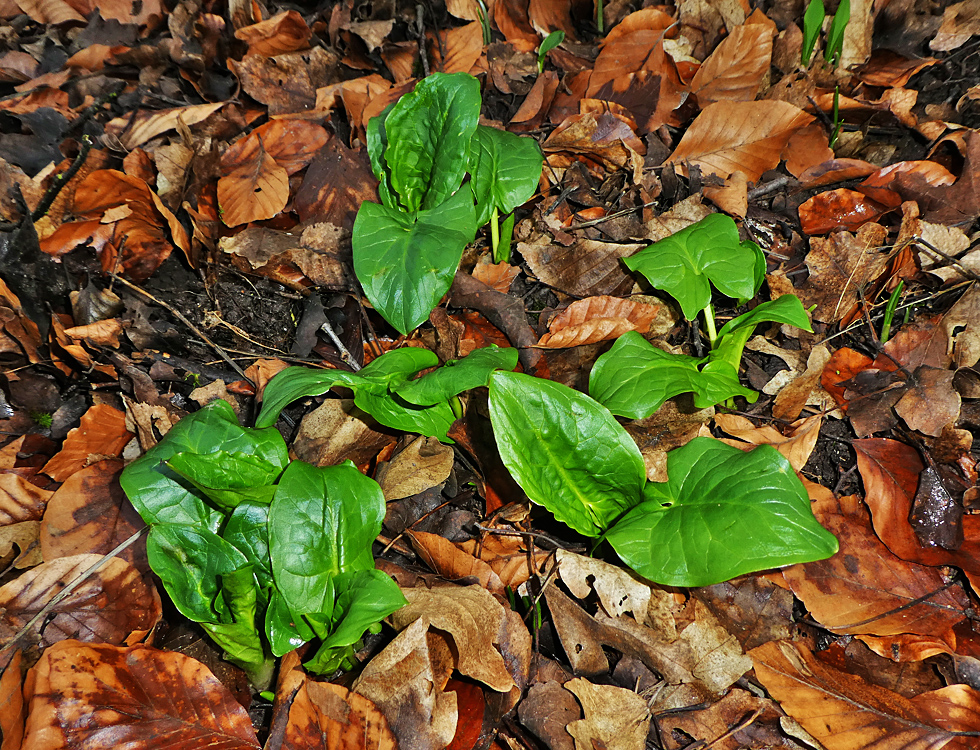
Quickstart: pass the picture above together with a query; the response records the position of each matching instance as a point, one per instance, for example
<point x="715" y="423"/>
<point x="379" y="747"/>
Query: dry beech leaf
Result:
<point x="20" y="500"/>
<point x="12" y="707"/>
<point x="615" y="718"/>
<point x="424" y="463"/>
<point x="498" y="276"/>
<point x="734" y="71"/>
<point x="585" y="268"/>
<point x="406" y="681"/>
<point x="865" y="589"/>
<point x="50" y="11"/>
<point x="618" y="591"/>
<point x="746" y="137"/>
<point x="284" y="32"/>
<point x="472" y="616"/>
<point x="330" y="716"/>
<point x="102" y="433"/>
<point x="797" y="446"/>
<point x="453" y="563"/>
<point x="131" y="697"/>
<point x="24" y="537"/>
<point x="113" y="605"/>
<point x="507" y="556"/>
<point x="253" y="191"/>
<point x="846" y="713"/>
<point x="336" y="431"/>
<point x="595" y="319"/>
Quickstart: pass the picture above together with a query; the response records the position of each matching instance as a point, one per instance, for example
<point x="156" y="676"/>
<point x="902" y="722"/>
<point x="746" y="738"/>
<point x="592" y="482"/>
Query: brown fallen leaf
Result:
<point x="102" y="433"/>
<point x="845" y="713"/>
<point x="735" y="69"/>
<point x="423" y="463"/>
<point x="453" y="563"/>
<point x="615" y="718"/>
<point x="283" y="32"/>
<point x="330" y="716"/>
<point x="135" y="696"/>
<point x="595" y="319"/>
<point x="796" y="447"/>
<point x="584" y="269"/>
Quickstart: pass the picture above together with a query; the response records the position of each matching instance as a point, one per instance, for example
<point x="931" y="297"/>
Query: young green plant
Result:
<point x="720" y="514"/>
<point x="265" y="553"/>
<point x="634" y="378"/>
<point x="554" y="39"/>
<point x="407" y="248"/>
<point x="813" y="20"/>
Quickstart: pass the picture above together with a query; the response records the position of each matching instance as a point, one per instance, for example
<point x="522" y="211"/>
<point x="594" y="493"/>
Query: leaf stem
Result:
<point x="709" y="324"/>
<point x="495" y="236"/>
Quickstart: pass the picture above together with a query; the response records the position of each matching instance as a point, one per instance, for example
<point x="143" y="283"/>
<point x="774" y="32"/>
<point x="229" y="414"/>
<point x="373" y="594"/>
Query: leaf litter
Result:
<point x="236" y="136"/>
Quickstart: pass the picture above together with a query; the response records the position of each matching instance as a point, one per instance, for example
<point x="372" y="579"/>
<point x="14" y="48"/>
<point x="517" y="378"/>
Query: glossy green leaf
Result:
<point x="322" y="522"/>
<point x="721" y="513"/>
<point x="504" y="171"/>
<point x="551" y="41"/>
<point x="162" y="496"/>
<point x="377" y="144"/>
<point x="812" y="23"/>
<point x="237" y="634"/>
<point x="228" y="478"/>
<point x="285" y="630"/>
<point x="393" y="411"/>
<point x="391" y="368"/>
<point x="634" y="378"/>
<point x="689" y="262"/>
<point x="736" y="332"/>
<point x="190" y="561"/>
<point x="428" y="133"/>
<point x="566" y="451"/>
<point x="406" y="262"/>
<point x="247" y="529"/>
<point x="364" y="598"/>
<point x="458" y="375"/>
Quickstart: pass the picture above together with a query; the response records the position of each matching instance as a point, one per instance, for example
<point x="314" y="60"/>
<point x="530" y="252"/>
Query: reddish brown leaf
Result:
<point x="113" y="605"/>
<point x="888" y="68"/>
<point x="840" y="209"/>
<point x="734" y="71"/>
<point x="136" y="696"/>
<point x="330" y="716"/>
<point x="744" y="137"/>
<point x="20" y="500"/>
<point x="835" y="170"/>
<point x="284" y="32"/>
<point x="845" y="713"/>
<point x="253" y="191"/>
<point x="595" y="319"/>
<point x="13" y="711"/>
<point x="102" y="433"/>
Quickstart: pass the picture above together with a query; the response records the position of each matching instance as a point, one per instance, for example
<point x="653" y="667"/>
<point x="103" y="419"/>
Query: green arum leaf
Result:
<point x="364" y="599"/>
<point x="322" y="522"/>
<point x="428" y="136"/>
<point x="406" y="262"/>
<point x="228" y="479"/>
<point x="721" y="513"/>
<point x="162" y="496"/>
<point x="191" y="562"/>
<point x="458" y="375"/>
<point x="812" y="23"/>
<point x="286" y="630"/>
<point x="391" y="368"/>
<point x="237" y="633"/>
<point x="247" y="529"/>
<point x="689" y="262"/>
<point x="835" y="35"/>
<point x="377" y="144"/>
<point x="504" y="170"/>
<point x="635" y="378"/>
<point x="393" y="411"/>
<point x="566" y="451"/>
<point x="737" y="331"/>
<point x="551" y="41"/>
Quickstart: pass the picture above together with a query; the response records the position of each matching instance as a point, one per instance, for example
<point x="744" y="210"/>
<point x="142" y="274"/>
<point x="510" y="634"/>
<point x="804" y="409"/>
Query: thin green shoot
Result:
<point x="835" y="35"/>
<point x="551" y="41"/>
<point x="501" y="250"/>
<point x="890" y="307"/>
<point x="599" y="21"/>
<point x="484" y="20"/>
<point x="709" y="325"/>
<point x="836" y="117"/>
<point x="812" y="23"/>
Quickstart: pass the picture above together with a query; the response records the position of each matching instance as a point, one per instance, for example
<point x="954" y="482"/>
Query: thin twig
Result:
<point x="345" y="356"/>
<point x="180" y="316"/>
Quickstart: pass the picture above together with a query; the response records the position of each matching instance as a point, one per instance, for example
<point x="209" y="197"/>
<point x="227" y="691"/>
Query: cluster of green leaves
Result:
<point x="408" y="247"/>
<point x="813" y="20"/>
<point x="385" y="388"/>
<point x="265" y="553"/>
<point x="721" y="513"/>
<point x="634" y="378"/>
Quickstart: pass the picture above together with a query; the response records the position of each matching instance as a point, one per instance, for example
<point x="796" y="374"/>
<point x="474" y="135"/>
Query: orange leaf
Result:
<point x="749" y="137"/>
<point x="839" y="209"/>
<point x="134" y="695"/>
<point x="284" y="32"/>
<point x="326" y="715"/>
<point x="595" y="319"/>
<point x="102" y="433"/>
<point x="735" y="70"/>
<point x="254" y="191"/>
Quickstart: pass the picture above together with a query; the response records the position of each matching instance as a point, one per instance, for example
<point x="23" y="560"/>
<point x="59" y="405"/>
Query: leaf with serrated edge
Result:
<point x="566" y="451"/>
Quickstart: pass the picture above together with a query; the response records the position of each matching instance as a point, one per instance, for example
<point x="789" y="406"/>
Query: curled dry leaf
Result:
<point x="102" y="432"/>
<point x="846" y="713"/>
<point x="114" y="605"/>
<point x="284" y="32"/>
<point x="453" y="563"/>
<point x="595" y="319"/>
<point x="840" y="209"/>
<point x="133" y="695"/>
<point x="615" y="718"/>
<point x="424" y="463"/>
<point x="797" y="446"/>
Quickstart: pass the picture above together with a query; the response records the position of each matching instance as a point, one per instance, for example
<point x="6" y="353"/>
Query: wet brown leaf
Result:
<point x="135" y="696"/>
<point x="113" y="605"/>
<point x="845" y="713"/>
